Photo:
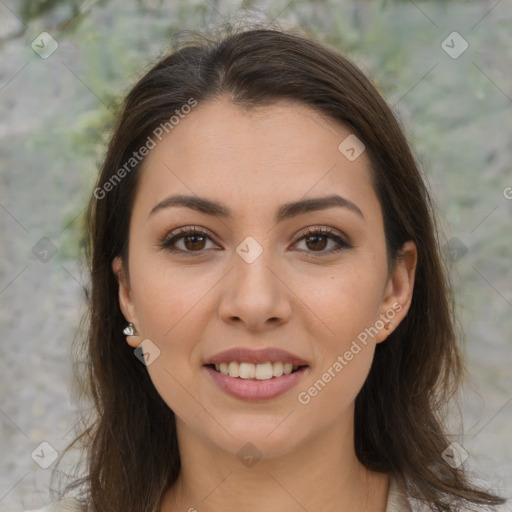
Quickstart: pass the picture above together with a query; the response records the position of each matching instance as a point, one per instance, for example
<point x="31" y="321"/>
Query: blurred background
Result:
<point x="444" y="67"/>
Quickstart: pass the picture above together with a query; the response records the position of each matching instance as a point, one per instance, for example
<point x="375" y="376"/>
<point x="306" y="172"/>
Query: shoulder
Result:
<point x="399" y="501"/>
<point x="506" y="507"/>
<point x="65" y="505"/>
<point x="397" y="496"/>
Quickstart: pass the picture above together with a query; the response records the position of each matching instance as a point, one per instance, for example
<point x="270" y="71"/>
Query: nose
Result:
<point x="255" y="295"/>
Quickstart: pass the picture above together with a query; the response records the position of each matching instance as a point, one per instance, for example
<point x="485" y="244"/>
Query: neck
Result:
<point x="321" y="474"/>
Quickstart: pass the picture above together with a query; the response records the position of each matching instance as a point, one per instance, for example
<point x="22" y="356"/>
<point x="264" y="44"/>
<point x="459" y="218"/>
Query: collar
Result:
<point x="397" y="496"/>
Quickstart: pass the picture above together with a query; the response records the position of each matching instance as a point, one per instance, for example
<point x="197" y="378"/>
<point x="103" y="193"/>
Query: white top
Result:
<point x="397" y="502"/>
<point x="65" y="505"/>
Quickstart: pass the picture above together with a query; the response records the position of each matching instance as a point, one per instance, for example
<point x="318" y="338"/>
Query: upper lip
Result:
<point x="247" y="355"/>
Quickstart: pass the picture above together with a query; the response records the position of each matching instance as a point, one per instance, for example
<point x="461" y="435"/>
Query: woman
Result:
<point x="270" y="322"/>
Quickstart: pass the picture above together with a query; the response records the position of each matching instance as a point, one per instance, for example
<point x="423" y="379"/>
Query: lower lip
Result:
<point x="254" y="390"/>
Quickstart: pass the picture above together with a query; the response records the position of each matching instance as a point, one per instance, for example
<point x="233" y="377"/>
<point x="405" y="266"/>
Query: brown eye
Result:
<point x="316" y="240"/>
<point x="316" y="243"/>
<point x="194" y="240"/>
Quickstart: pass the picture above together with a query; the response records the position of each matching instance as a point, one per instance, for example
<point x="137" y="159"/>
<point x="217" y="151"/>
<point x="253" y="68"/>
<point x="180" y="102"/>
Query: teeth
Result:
<point x="277" y="369"/>
<point x="262" y="371"/>
<point x="234" y="369"/>
<point x="247" y="370"/>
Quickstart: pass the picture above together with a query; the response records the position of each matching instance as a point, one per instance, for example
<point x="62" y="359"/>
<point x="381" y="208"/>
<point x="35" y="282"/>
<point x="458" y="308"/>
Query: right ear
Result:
<point x="125" y="297"/>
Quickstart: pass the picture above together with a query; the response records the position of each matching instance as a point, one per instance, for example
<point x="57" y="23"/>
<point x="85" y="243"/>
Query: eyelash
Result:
<point x="168" y="242"/>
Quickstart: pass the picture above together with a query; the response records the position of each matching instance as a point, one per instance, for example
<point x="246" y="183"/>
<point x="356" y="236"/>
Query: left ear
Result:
<point x="398" y="294"/>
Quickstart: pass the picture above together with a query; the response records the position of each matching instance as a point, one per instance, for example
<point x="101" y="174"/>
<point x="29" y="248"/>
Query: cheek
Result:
<point x="344" y="304"/>
<point x="172" y="310"/>
<point x="175" y="327"/>
<point x="345" y="309"/>
<point x="332" y="390"/>
<point x="169" y="301"/>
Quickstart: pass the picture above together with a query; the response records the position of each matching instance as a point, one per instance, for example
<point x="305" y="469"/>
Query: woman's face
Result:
<point x="255" y="276"/>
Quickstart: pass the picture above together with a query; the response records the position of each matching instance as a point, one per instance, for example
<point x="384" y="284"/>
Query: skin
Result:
<point x="297" y="295"/>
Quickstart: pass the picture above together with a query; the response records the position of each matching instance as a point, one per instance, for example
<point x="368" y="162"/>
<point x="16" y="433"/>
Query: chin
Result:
<point x="269" y="437"/>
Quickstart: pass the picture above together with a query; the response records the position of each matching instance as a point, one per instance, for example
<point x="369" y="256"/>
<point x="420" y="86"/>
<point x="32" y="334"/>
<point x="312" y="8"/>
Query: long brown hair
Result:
<point x="131" y="446"/>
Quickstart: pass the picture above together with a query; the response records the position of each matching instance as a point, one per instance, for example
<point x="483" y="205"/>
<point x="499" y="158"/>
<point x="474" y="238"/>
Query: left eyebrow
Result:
<point x="284" y="212"/>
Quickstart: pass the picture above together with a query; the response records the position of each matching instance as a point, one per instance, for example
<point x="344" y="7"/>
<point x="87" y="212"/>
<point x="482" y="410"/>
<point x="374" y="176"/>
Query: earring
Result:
<point x="387" y="326"/>
<point x="130" y="330"/>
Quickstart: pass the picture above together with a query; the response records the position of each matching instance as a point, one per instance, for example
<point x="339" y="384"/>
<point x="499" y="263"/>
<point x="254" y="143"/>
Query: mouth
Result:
<point x="256" y="382"/>
<point x="252" y="371"/>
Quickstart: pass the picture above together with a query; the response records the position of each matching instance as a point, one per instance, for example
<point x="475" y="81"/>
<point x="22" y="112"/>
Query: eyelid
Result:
<point x="325" y="230"/>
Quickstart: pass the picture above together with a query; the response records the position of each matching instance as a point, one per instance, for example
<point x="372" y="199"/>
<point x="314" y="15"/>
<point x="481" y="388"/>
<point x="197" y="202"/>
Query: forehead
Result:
<point x="254" y="158"/>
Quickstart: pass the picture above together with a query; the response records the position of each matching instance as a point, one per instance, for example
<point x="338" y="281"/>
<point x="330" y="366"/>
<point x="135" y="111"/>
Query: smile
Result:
<point x="261" y="371"/>
<point x="255" y="388"/>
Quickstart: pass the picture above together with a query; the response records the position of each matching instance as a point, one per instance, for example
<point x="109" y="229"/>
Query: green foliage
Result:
<point x="30" y="9"/>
